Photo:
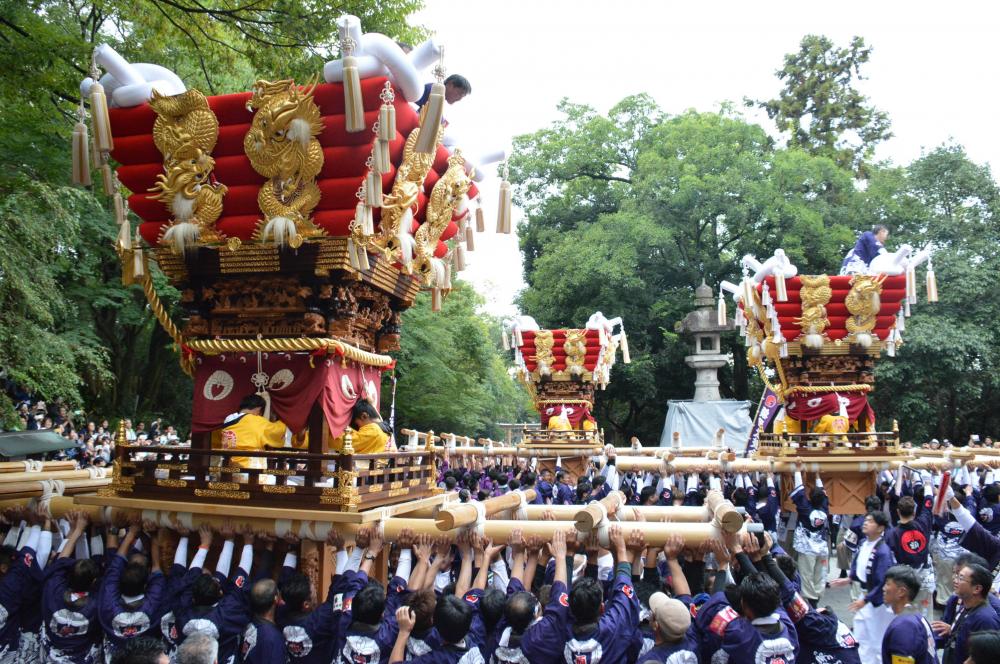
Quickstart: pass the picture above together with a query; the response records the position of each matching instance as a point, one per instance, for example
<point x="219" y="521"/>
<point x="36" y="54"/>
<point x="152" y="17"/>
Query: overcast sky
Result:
<point x="934" y="70"/>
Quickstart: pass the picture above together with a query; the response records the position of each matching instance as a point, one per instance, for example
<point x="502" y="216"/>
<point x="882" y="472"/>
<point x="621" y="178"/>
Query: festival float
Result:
<point x="563" y="369"/>
<point x="815" y="340"/>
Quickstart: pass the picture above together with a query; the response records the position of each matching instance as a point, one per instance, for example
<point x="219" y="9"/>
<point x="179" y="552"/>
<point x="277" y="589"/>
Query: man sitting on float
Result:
<point x="249" y="430"/>
<point x="369" y="435"/>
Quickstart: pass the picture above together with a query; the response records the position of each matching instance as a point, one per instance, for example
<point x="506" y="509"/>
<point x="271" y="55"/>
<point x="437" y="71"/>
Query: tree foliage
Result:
<point x="633" y="237"/>
<point x="451" y="376"/>
<point x="820" y="108"/>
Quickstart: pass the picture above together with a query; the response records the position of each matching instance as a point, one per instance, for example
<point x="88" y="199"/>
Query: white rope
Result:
<point x="602" y="525"/>
<point x="480" y="524"/>
<point x="32" y="465"/>
<point x="282" y="527"/>
<point x="521" y="512"/>
<point x="97" y="473"/>
<point x="50" y="489"/>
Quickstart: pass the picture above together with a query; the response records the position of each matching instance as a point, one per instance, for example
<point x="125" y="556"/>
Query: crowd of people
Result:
<point x="76" y="592"/>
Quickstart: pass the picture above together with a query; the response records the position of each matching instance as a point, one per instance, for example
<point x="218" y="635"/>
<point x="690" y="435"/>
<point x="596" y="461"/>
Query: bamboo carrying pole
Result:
<point x="27" y="466"/>
<point x="465" y="514"/>
<point x="98" y="473"/>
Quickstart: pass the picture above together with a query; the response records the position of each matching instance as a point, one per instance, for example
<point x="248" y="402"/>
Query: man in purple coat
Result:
<point x="909" y="637"/>
<point x="69" y="603"/>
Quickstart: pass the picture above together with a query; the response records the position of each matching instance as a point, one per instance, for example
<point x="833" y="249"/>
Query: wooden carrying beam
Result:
<point x="717" y="510"/>
<point x="656" y="533"/>
<point x="35" y="466"/>
<point x="458" y="515"/>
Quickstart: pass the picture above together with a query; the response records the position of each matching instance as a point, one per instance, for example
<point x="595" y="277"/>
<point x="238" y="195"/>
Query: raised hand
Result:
<point x="673" y="547"/>
<point x="557" y="547"/>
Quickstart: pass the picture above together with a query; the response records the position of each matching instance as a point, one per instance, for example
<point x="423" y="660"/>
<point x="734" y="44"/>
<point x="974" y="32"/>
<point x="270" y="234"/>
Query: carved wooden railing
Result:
<point x="822" y="444"/>
<point x="291" y="478"/>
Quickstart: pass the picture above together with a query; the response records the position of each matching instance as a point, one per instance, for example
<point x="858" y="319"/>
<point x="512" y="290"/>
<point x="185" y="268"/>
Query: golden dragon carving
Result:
<point x="815" y="294"/>
<point x="444" y="199"/>
<point x="185" y="132"/>
<point x="863" y="302"/>
<point x="576" y="351"/>
<point x="282" y="146"/>
<point x="544" y="343"/>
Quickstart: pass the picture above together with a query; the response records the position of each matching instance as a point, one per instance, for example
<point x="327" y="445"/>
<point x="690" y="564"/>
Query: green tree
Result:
<point x="703" y="190"/>
<point x="820" y="108"/>
<point x="943" y="383"/>
<point x="450" y="375"/>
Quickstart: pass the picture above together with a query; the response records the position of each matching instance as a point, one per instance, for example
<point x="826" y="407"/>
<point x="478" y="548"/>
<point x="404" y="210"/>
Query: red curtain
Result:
<point x="222" y="381"/>
<point x="814" y="406"/>
<point x="576" y="413"/>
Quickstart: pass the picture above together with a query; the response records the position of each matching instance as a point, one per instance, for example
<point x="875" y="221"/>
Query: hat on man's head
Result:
<point x="671" y="615"/>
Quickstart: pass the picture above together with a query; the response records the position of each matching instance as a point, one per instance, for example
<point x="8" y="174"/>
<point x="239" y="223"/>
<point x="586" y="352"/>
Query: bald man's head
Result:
<point x="263" y="596"/>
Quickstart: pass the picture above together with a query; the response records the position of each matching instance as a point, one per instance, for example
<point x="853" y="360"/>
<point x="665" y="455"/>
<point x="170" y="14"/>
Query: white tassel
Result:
<point x="181" y="235"/>
<point x="722" y="317"/>
<point x="748" y="291"/>
<point x="626" y="358"/>
<point x="354" y="111"/>
<point x="932" y="292"/>
<point x="906" y="307"/>
<point x="281" y="229"/>
<point x="435" y="299"/>
<point x="99" y="118"/>
<point x="779" y="285"/>
<point x="138" y="266"/>
<point x="81" y="155"/>
<point x="387" y="123"/>
<point x="900" y="321"/>
<point x="352" y="255"/>
<point x="518" y="337"/>
<point x="373" y="189"/>
<point x="124" y="237"/>
<point x="381" y="159"/>
<point x="470" y="241"/>
<point x="362" y="253"/>
<point x="119" y="205"/>
<point x="503" y="337"/>
<point x="459" y="258"/>
<point x="446" y="286"/>
<point x="430" y="120"/>
<point x="783" y="350"/>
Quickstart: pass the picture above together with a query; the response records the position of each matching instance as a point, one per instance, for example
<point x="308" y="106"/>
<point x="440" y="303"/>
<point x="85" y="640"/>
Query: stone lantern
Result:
<point x="703" y="325"/>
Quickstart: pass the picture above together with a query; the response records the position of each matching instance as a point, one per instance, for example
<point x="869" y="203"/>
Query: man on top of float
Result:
<point x="869" y="245"/>
<point x="250" y="430"/>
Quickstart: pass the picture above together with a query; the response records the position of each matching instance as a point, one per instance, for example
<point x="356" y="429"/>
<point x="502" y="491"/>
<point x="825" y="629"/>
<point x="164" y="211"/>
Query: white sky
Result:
<point x="934" y="70"/>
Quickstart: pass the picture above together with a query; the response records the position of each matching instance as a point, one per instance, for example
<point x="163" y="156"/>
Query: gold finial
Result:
<point x="348" y="446"/>
<point x="430" y="441"/>
<point x="121" y="438"/>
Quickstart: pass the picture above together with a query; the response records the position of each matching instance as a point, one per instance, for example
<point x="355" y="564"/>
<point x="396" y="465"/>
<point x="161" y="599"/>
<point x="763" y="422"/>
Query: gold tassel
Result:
<point x="108" y="179"/>
<point x="723" y="317"/>
<point x="480" y="216"/>
<point x="626" y="358"/>
<point x="932" y="293"/>
<point x="470" y="241"/>
<point x="373" y="189"/>
<point x="435" y="299"/>
<point x="354" y="111"/>
<point x="748" y="290"/>
<point x="518" y="337"/>
<point x="128" y="267"/>
<point x="81" y="155"/>
<point x="504" y="207"/>
<point x="387" y="122"/>
<point x="99" y="118"/>
<point x="779" y="283"/>
<point x="430" y="120"/>
<point x="911" y="285"/>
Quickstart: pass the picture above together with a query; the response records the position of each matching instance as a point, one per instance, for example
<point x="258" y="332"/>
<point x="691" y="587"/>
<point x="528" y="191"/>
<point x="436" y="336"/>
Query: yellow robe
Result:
<point x="369" y="439"/>
<point x="252" y="432"/>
